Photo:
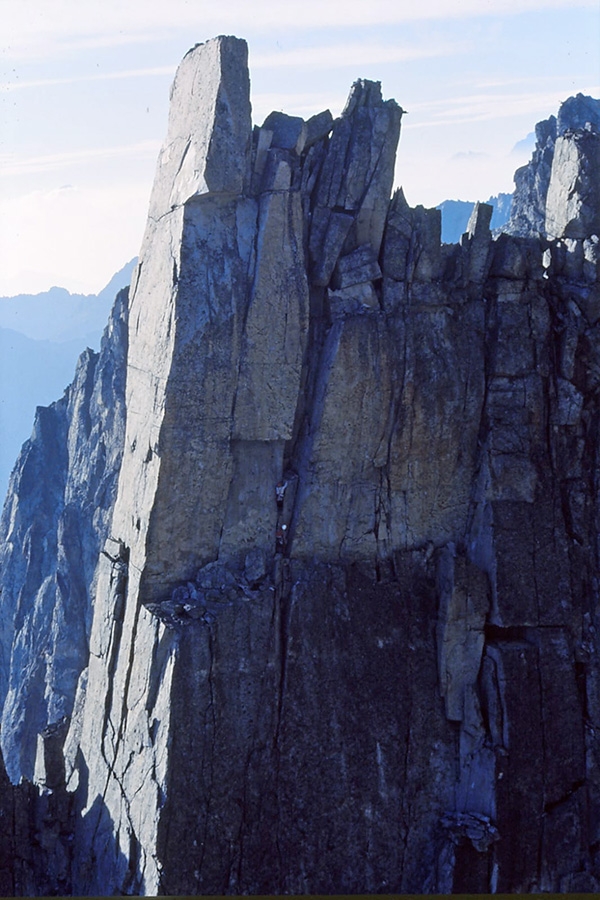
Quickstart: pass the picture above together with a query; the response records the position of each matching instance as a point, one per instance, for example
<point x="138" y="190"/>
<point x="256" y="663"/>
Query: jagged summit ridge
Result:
<point x="557" y="191"/>
<point x="347" y="581"/>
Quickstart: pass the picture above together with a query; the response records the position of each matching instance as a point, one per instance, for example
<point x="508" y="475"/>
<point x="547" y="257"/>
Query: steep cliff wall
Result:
<point x="344" y="621"/>
<point x="54" y="523"/>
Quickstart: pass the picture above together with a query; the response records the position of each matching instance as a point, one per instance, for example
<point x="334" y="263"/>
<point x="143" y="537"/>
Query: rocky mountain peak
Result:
<point x="579" y="113"/>
<point x="556" y="193"/>
<point x="307" y="600"/>
<point x="209" y="126"/>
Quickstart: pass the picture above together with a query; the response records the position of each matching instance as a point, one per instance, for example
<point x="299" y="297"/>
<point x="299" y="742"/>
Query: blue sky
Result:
<point x="84" y="92"/>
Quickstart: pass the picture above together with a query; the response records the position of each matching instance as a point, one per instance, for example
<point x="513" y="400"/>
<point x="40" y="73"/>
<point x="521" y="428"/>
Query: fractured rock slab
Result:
<point x="358" y="267"/>
<point x="276" y="327"/>
<point x="358" y="170"/>
<point x="573" y="199"/>
<point x="209" y="126"/>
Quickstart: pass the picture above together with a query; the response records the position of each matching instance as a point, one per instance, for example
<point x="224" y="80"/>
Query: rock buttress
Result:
<point x="344" y="633"/>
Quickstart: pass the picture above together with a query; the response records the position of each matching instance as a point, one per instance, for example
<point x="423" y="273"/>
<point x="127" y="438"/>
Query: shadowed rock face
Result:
<point x="344" y="613"/>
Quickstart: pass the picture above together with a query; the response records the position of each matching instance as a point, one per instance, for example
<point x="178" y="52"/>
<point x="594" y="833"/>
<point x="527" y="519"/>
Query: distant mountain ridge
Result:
<point x="41" y="338"/>
<point x="58" y="315"/>
<point x="456" y="214"/>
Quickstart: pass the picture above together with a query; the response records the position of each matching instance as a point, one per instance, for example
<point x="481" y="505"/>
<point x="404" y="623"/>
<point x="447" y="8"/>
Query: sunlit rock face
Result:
<point x="343" y="611"/>
<point x="557" y="192"/>
<point x="572" y="200"/>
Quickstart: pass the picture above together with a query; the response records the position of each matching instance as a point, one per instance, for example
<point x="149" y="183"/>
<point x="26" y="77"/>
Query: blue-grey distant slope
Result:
<point x="53" y="525"/>
<point x="456" y="215"/>
<point x="41" y="337"/>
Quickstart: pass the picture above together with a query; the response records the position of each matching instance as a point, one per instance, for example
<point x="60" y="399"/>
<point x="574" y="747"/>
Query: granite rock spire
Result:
<point x="343" y="623"/>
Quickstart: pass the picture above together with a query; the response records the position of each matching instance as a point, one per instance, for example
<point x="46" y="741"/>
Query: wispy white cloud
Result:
<point x="349" y="55"/>
<point x="40" y="28"/>
<point x="352" y="55"/>
<point x="544" y="79"/>
<point x="18" y="84"/>
<point x="483" y="107"/>
<point x="11" y="165"/>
